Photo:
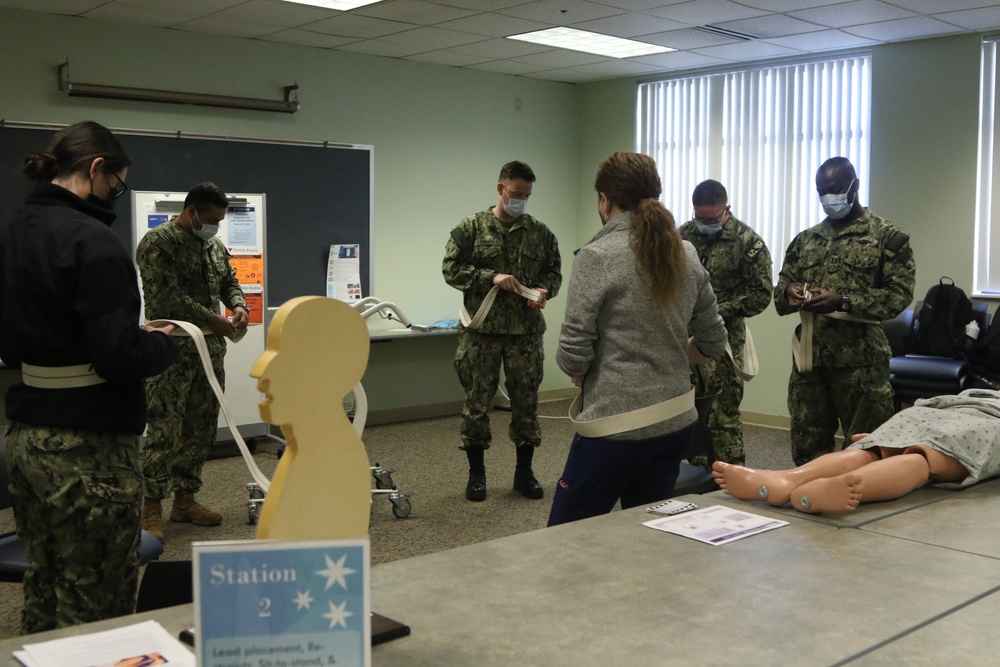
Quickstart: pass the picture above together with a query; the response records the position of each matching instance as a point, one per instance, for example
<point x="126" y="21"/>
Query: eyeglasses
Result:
<point x="118" y="192"/>
<point x="712" y="221"/>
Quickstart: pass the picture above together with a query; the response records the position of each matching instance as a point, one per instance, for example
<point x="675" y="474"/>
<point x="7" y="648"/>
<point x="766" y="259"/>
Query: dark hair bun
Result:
<point x="40" y="166"/>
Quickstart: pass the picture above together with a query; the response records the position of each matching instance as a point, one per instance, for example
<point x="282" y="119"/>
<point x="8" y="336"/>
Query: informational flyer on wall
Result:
<point x="343" y="272"/>
<point x="273" y="604"/>
<point x="250" y="274"/>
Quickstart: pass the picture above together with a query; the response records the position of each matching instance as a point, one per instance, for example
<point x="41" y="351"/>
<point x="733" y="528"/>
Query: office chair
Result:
<point x="14" y="559"/>
<point x="692" y="478"/>
<point x="915" y="376"/>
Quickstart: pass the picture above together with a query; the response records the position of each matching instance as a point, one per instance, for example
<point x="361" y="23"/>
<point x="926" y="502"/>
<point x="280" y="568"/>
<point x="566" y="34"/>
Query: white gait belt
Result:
<point x="484" y="308"/>
<point x="752" y="367"/>
<point x="802" y="347"/>
<point x="629" y="421"/>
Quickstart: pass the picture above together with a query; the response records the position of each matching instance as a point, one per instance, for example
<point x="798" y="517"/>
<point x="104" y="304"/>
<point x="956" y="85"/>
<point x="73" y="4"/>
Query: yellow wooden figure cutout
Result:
<point x="317" y="351"/>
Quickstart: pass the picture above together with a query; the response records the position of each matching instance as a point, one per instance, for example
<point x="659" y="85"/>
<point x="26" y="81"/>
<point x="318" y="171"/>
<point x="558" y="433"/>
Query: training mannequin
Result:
<point x="317" y="351"/>
<point x="947" y="440"/>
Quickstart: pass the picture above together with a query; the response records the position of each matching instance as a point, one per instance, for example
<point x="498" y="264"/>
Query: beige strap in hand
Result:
<point x="476" y="322"/>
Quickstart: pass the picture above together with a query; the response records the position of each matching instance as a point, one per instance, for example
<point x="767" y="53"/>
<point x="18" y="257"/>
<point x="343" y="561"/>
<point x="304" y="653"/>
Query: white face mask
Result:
<point x="708" y="230"/>
<point x="837" y="206"/>
<point x="515" y="207"/>
<point x="206" y="232"/>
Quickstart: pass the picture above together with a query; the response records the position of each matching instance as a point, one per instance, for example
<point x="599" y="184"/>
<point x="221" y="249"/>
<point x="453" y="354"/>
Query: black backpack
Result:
<point x="938" y="329"/>
<point x="986" y="353"/>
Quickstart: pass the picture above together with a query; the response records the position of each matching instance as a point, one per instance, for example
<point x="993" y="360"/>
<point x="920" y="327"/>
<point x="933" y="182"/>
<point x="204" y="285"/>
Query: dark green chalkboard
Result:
<point x="316" y="195"/>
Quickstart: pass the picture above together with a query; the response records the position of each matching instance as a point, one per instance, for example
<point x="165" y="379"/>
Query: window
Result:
<point x="986" y="279"/>
<point x="762" y="133"/>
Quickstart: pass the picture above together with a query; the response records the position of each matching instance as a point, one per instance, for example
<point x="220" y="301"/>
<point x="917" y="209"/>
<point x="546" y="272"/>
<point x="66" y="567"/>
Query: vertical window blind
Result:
<point x="986" y="256"/>
<point x="762" y="133"/>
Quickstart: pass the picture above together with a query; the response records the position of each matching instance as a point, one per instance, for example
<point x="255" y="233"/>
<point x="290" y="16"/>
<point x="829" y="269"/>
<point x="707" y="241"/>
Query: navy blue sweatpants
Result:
<point x="599" y="472"/>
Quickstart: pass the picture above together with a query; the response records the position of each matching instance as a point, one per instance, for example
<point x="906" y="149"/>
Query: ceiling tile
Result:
<point x="163" y="18"/>
<point x="689" y="38"/>
<point x="679" y="60"/>
<point x="859" y="12"/>
<point x="220" y="26"/>
<point x="773" y="25"/>
<point x="281" y="14"/>
<point x="564" y="75"/>
<point x="706" y="12"/>
<point x="891" y="31"/>
<point x="199" y="7"/>
<point x="447" y="58"/>
<point x="561" y="12"/>
<point x="480" y="5"/>
<point x="824" y="40"/>
<point x="412" y="11"/>
<point x="560" y="58"/>
<point x="640" y="5"/>
<point x="785" y="5"/>
<point x="73" y="7"/>
<point x="987" y="18"/>
<point x="501" y="48"/>
<point x="935" y="6"/>
<point x="350" y="25"/>
<point x="493" y="25"/>
<point x="506" y="67"/>
<point x="617" y="67"/>
<point x="378" y="47"/>
<point x="744" y="51"/>
<point x="308" y="38"/>
<point x="629" y="25"/>
<point x="431" y="38"/>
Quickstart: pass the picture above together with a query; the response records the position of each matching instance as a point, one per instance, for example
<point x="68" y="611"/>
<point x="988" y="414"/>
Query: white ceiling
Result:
<point x="469" y="33"/>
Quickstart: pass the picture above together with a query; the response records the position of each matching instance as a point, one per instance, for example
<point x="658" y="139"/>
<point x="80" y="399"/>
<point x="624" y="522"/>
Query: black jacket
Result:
<point x="70" y="296"/>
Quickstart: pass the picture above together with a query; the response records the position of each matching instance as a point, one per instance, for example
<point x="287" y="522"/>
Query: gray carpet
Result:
<point x="429" y="465"/>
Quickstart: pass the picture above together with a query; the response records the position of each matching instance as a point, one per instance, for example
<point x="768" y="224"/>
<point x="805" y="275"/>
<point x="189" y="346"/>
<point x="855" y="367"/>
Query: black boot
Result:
<point x="476" y="488"/>
<point x="524" y="479"/>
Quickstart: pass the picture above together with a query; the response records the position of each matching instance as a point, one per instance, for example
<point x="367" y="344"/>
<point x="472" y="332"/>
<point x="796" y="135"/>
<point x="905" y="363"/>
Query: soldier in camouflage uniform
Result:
<point x="185" y="274"/>
<point x="69" y="309"/>
<point x="858" y="264"/>
<point x="740" y="266"/>
<point x="504" y="247"/>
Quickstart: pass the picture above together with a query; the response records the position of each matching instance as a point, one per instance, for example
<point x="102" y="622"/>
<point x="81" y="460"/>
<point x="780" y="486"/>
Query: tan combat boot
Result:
<point x="186" y="510"/>
<point x="152" y="517"/>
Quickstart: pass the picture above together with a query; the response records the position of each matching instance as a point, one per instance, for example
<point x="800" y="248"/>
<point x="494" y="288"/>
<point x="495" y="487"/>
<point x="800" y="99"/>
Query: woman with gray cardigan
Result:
<point x="640" y="310"/>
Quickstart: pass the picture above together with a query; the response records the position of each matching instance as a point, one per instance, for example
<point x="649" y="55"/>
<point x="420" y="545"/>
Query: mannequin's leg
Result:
<point x="776" y="486"/>
<point x="887" y="479"/>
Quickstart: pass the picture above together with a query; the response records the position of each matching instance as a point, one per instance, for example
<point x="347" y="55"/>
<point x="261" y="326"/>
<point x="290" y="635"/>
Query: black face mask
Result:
<point x="107" y="204"/>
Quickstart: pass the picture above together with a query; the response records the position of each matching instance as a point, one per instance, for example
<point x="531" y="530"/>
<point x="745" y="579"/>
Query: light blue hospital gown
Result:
<point x="965" y="427"/>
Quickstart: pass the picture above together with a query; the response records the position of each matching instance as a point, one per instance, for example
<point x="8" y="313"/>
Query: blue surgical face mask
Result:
<point x="707" y="230"/>
<point x="515" y="207"/>
<point x="837" y="206"/>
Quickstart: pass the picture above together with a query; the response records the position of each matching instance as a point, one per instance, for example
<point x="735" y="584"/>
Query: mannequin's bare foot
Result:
<point x="831" y="494"/>
<point x="771" y="486"/>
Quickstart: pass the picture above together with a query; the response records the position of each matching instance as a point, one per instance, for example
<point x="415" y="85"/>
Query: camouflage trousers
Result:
<point x="858" y="399"/>
<point x="77" y="504"/>
<point x="708" y="377"/>
<point x="183" y="417"/>
<point x="478" y="361"/>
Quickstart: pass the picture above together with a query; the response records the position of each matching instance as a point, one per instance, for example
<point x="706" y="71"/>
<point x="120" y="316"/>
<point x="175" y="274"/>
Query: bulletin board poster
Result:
<point x="343" y="273"/>
<point x="250" y="274"/>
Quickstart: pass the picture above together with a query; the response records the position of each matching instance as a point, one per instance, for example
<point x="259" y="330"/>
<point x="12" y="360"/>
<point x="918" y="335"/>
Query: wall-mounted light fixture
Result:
<point x="74" y="89"/>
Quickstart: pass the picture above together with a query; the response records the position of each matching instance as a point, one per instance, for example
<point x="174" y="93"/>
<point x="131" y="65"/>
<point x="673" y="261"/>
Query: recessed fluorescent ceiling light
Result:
<point x="342" y="5"/>
<point x="591" y="42"/>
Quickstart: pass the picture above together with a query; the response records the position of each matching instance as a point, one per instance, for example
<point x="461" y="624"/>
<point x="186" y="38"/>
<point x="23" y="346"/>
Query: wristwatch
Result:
<point x="243" y="306"/>
<point x="845" y="304"/>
